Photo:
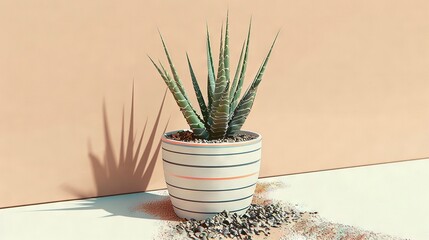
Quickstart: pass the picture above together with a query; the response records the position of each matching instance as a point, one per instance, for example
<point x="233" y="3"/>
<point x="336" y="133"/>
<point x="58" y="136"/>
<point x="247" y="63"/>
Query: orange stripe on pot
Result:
<point x="214" y="179"/>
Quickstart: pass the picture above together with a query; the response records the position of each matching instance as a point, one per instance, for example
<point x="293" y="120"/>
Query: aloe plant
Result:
<point x="224" y="113"/>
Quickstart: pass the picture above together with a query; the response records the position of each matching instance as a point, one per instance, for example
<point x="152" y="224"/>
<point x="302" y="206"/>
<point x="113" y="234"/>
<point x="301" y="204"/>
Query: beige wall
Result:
<point x="347" y="85"/>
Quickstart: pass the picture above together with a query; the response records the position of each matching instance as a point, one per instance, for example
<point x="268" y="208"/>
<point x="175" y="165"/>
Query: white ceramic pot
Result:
<point x="204" y="179"/>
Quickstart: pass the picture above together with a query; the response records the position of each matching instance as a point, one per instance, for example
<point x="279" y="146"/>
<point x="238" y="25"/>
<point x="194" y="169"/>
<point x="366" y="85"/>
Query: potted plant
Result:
<point x="213" y="166"/>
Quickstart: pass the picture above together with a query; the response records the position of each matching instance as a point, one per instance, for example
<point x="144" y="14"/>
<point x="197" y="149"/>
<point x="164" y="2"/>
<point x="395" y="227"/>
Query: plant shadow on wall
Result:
<point x="129" y="171"/>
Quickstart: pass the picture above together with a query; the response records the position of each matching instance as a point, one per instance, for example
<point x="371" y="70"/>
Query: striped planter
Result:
<point x="204" y="179"/>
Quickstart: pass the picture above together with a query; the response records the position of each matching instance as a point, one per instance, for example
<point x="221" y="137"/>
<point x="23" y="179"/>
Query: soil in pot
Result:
<point x="188" y="136"/>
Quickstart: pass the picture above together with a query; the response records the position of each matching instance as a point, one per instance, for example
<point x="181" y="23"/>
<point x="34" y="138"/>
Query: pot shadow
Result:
<point x="127" y="173"/>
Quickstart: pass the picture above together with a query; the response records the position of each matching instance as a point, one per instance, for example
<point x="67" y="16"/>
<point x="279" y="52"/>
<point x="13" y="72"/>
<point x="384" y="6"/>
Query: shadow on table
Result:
<point x="124" y="173"/>
<point x="126" y="205"/>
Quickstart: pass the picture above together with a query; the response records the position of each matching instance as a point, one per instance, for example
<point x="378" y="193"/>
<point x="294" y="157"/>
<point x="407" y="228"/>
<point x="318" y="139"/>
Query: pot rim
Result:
<point x="241" y="143"/>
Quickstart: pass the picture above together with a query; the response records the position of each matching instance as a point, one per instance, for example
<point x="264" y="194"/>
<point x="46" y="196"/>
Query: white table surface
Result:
<point x="388" y="198"/>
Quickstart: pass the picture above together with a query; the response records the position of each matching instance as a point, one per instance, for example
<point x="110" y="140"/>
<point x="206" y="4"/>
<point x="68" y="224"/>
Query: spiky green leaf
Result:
<point x="193" y="120"/>
<point x="211" y="73"/>
<point x="258" y="78"/>
<point x="236" y="76"/>
<point x="188" y="102"/>
<point x="220" y="83"/>
<point x="173" y="69"/>
<point x="226" y="50"/>
<point x="218" y="125"/>
<point x="219" y="117"/>
<point x="242" y="111"/>
<point x="246" y="103"/>
<point x="198" y="93"/>
<point x="235" y="99"/>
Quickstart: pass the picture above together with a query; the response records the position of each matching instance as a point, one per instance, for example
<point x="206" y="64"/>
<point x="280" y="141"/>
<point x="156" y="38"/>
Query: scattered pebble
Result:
<point x="259" y="223"/>
<point x="258" y="220"/>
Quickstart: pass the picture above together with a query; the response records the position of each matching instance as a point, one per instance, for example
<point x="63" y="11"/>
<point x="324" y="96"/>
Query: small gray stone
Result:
<point x="258" y="219"/>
